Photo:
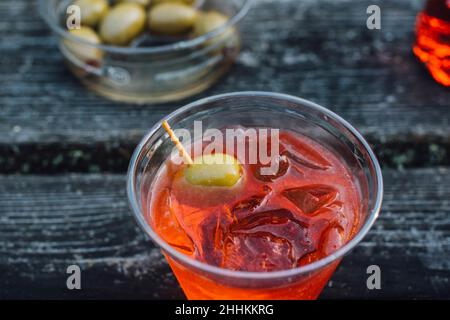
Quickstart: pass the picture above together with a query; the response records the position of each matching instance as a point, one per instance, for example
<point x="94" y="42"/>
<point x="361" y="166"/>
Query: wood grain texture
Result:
<point x="319" y="50"/>
<point x="50" y="222"/>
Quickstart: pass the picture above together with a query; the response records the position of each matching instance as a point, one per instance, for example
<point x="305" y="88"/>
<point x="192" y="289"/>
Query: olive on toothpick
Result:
<point x="212" y="170"/>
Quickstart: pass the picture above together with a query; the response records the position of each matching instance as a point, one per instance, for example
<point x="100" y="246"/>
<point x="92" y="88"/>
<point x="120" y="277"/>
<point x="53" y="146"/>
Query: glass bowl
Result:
<point x="153" y="74"/>
<point x="257" y="109"/>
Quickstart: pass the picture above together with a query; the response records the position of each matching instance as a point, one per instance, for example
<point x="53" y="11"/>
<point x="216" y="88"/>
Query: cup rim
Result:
<point x="131" y="191"/>
<point x="180" y="45"/>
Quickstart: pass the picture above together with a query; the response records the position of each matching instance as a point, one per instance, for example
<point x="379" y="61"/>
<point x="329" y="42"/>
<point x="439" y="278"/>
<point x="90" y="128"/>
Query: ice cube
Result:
<point x="311" y="198"/>
<point x="266" y="241"/>
<point x="282" y="164"/>
<point x="301" y="153"/>
<point x="257" y="253"/>
<point x="332" y="239"/>
<point x="247" y="206"/>
<point x="168" y="227"/>
<point x="210" y="238"/>
<point x="328" y="237"/>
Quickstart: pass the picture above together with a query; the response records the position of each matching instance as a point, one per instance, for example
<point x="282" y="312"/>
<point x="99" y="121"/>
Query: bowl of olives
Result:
<point x="147" y="51"/>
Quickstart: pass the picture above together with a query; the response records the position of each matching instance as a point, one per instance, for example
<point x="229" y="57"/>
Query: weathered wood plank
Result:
<point x="319" y="50"/>
<point x="114" y="156"/>
<point x="50" y="222"/>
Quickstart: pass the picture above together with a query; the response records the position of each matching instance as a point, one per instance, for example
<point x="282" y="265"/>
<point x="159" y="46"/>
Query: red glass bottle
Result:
<point x="432" y="45"/>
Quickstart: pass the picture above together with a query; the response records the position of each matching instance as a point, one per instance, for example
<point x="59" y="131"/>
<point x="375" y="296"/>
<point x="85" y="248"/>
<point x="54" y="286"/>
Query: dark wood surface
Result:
<point x="64" y="151"/>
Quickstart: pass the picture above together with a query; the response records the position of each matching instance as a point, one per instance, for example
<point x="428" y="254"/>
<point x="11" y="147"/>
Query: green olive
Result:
<point x="83" y="52"/>
<point x="122" y="24"/>
<point x="212" y="20"/>
<point x="92" y="11"/>
<point x="188" y="2"/>
<point x="144" y="3"/>
<point x="218" y="169"/>
<point x="209" y="21"/>
<point x="172" y="18"/>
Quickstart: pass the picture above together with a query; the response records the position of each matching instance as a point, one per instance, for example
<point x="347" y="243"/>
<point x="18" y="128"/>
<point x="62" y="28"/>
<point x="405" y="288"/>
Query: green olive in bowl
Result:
<point x="92" y="11"/>
<point x="171" y="18"/>
<point x="144" y="3"/>
<point x="85" y="52"/>
<point x="122" y="24"/>
<point x="207" y="22"/>
<point x="188" y="2"/>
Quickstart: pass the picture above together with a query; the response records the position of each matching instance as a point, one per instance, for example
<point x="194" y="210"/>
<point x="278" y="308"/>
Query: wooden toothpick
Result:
<point x="186" y="157"/>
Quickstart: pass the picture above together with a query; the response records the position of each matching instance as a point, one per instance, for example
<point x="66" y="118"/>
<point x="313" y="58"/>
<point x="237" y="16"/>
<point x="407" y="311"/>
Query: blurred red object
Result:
<point x="432" y="45"/>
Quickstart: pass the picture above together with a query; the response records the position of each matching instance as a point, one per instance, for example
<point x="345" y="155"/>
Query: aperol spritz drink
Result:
<point x="254" y="229"/>
<point x="304" y="211"/>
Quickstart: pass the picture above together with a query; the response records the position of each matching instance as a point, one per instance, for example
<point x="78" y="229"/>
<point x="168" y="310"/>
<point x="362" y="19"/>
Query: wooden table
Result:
<point x="64" y="151"/>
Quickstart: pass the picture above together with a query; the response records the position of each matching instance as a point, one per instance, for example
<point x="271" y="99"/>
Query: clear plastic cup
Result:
<point x="257" y="109"/>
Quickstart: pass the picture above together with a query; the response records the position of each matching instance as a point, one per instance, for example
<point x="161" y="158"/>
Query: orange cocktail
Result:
<point x="267" y="234"/>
